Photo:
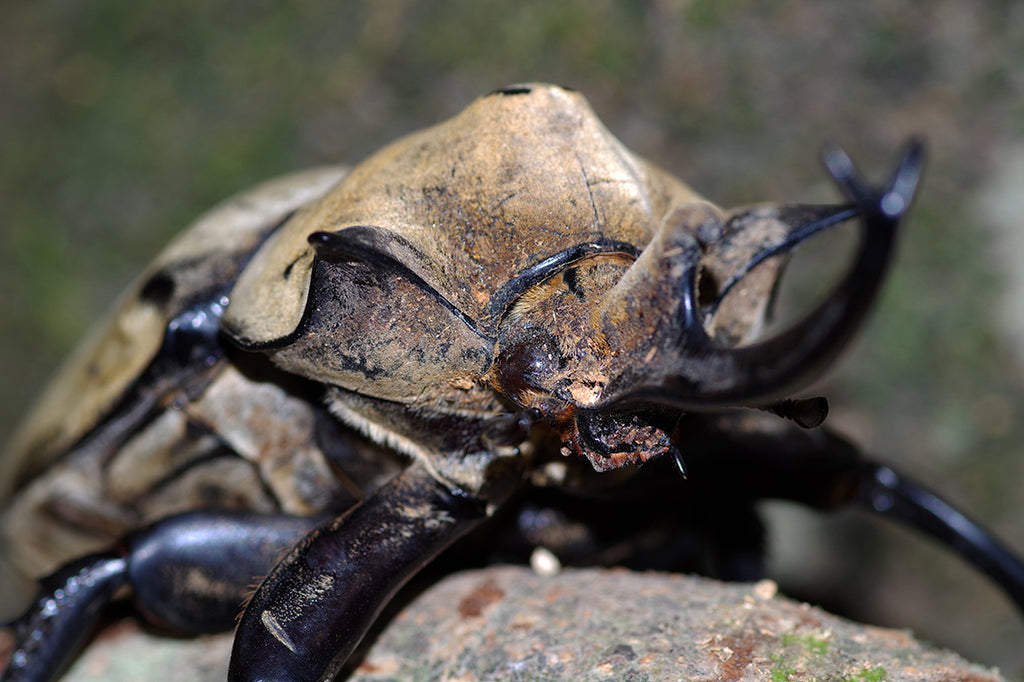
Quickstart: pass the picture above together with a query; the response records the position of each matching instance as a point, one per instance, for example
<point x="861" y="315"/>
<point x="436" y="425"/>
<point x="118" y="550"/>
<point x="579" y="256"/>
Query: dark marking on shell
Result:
<point x="514" y="90"/>
<point x="158" y="289"/>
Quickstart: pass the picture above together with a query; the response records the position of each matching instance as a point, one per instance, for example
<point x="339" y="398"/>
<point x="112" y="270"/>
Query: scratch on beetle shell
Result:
<point x="270" y="622"/>
<point x="590" y="192"/>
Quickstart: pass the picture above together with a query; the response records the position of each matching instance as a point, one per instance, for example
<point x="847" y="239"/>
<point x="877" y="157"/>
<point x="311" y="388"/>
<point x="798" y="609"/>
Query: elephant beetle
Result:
<point x="330" y="379"/>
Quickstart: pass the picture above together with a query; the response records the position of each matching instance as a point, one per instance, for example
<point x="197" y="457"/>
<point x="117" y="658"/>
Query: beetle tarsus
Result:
<point x="68" y="605"/>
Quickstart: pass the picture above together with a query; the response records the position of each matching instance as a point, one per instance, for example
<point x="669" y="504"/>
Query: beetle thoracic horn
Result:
<point x="679" y="363"/>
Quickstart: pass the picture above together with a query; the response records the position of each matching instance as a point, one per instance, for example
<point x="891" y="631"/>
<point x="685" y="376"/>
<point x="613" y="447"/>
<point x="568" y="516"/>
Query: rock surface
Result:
<point x="507" y="623"/>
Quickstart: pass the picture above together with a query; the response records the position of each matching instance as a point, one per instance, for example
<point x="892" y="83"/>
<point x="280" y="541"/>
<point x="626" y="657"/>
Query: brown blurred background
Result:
<point x="121" y="121"/>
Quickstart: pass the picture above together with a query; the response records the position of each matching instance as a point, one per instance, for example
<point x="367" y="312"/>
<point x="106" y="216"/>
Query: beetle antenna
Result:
<point x="807" y="413"/>
<point x="508" y="430"/>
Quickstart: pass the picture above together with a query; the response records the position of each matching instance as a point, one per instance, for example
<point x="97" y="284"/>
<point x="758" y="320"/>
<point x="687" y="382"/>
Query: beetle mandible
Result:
<point x="363" y="366"/>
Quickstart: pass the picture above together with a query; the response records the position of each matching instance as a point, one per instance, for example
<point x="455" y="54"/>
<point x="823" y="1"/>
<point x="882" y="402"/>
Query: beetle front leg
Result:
<point x="188" y="573"/>
<point x="893" y="495"/>
<point x="318" y="602"/>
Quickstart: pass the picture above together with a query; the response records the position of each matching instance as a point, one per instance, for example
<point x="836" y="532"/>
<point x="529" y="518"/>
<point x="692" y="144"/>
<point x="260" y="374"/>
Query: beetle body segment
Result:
<point x="205" y="258"/>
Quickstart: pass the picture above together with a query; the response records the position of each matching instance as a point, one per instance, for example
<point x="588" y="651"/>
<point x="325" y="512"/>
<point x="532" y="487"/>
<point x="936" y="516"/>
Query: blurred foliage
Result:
<point x="122" y="121"/>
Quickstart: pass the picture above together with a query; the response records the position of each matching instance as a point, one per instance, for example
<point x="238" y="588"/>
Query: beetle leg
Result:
<point x="189" y="573"/>
<point x="312" y="610"/>
<point x="67" y="606"/>
<point x="891" y="494"/>
<point x="822" y="470"/>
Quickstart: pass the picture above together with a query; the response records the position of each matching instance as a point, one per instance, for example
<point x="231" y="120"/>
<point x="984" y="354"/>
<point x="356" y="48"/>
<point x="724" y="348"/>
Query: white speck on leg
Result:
<point x="270" y="622"/>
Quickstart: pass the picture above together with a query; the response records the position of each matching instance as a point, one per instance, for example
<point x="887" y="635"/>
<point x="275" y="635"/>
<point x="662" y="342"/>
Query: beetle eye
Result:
<point x="525" y="362"/>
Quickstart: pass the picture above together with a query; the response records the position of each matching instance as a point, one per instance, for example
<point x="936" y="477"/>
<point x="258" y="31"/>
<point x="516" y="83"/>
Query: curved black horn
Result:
<point x="683" y="366"/>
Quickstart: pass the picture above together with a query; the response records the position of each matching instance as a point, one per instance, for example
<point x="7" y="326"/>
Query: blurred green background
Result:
<point x="122" y="121"/>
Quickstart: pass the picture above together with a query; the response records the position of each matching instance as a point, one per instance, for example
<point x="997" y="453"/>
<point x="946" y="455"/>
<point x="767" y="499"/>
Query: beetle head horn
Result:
<point x="677" y="361"/>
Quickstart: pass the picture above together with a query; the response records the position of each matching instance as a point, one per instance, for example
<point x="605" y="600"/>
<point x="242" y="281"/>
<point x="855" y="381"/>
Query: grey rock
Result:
<point x="507" y="623"/>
